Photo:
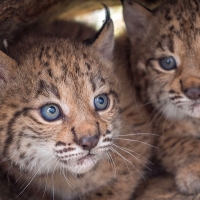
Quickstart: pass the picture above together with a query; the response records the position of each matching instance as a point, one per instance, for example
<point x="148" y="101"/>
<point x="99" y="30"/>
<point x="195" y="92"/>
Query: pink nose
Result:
<point x="193" y="93"/>
<point x="88" y="143"/>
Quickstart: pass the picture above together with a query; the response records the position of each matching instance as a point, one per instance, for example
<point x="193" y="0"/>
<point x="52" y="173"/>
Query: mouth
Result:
<point x="193" y="109"/>
<point x="182" y="109"/>
<point x="195" y="105"/>
<point x="83" y="164"/>
<point x="81" y="161"/>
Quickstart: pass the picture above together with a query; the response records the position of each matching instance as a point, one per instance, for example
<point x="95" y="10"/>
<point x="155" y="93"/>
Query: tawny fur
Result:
<point x="71" y="74"/>
<point x="171" y="96"/>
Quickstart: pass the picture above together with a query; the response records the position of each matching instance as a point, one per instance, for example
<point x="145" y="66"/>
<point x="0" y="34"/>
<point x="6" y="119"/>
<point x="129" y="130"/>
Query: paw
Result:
<point x="188" y="178"/>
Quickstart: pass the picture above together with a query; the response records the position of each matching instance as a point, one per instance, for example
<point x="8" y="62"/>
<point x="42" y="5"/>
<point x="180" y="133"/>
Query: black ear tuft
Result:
<point x="90" y="41"/>
<point x="103" y="40"/>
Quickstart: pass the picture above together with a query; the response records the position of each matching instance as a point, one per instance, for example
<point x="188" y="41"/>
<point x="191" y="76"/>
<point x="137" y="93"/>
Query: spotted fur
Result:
<point x="171" y="92"/>
<point x="85" y="152"/>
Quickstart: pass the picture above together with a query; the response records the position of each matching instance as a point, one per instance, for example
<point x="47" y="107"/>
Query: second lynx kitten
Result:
<point x="166" y="69"/>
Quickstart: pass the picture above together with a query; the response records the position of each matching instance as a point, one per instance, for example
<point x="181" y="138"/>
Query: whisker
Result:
<point x="150" y="102"/>
<point x="107" y="158"/>
<point x="4" y="160"/>
<point x="113" y="163"/>
<point x="136" y="141"/>
<point x="128" y="162"/>
<point x="124" y="162"/>
<point x="163" y="116"/>
<point x="9" y="170"/>
<point x="25" y="181"/>
<point x="156" y="115"/>
<point x="3" y="172"/>
<point x="74" y="175"/>
<point x="21" y="174"/>
<point x="135" y="101"/>
<point x="135" y="134"/>
<point x="132" y="156"/>
<point x="68" y="182"/>
<point x="33" y="177"/>
<point x="123" y="122"/>
<point x="46" y="178"/>
<point x="136" y="154"/>
<point x="53" y="178"/>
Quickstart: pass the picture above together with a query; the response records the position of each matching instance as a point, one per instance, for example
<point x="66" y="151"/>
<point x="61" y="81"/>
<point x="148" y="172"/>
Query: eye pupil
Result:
<point x="168" y="61"/>
<point x="101" y="100"/>
<point x="51" y="110"/>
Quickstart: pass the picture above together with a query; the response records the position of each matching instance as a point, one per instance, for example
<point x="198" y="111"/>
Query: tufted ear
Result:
<point x="103" y="40"/>
<point x="7" y="68"/>
<point x="137" y="18"/>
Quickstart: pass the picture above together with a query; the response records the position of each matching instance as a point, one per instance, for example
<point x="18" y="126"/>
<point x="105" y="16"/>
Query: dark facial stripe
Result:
<point x="32" y="130"/>
<point x="41" y="137"/>
<point x="98" y="129"/>
<point x="181" y="83"/>
<point x="41" y="53"/>
<point x="77" y="68"/>
<point x="10" y="131"/>
<point x="34" y="119"/>
<point x="55" y="91"/>
<point x="101" y="81"/>
<point x="47" y="52"/>
<point x="88" y="66"/>
<point x="74" y="134"/>
<point x="93" y="84"/>
<point x="64" y="69"/>
<point x="114" y="94"/>
<point x="44" y="88"/>
<point x="41" y="87"/>
<point x="49" y="71"/>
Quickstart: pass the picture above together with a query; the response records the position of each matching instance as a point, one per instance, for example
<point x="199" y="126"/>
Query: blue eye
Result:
<point x="50" y="112"/>
<point x="168" y="63"/>
<point x="101" y="102"/>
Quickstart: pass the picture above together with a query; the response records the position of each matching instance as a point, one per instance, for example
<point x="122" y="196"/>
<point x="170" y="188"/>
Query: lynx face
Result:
<point x="167" y="69"/>
<point x="60" y="108"/>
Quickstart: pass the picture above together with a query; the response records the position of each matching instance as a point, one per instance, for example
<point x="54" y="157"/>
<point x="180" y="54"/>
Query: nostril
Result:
<point x="192" y="93"/>
<point x="88" y="143"/>
<point x="85" y="146"/>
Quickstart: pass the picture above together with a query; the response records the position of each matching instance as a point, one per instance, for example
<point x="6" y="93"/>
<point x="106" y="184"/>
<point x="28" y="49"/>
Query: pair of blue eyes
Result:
<point x="168" y="63"/>
<point x="52" y="112"/>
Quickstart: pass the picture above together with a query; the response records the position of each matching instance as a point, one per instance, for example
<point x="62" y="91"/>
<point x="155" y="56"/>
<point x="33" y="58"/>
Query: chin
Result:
<point x="83" y="165"/>
<point x="194" y="114"/>
<point x="172" y="112"/>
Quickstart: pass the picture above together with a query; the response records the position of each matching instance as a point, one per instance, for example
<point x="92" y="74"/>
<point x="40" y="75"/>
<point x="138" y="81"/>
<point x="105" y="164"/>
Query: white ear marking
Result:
<point x="5" y="44"/>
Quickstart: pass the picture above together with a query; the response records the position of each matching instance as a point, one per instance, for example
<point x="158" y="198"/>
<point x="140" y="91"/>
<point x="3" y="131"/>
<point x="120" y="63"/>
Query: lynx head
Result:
<point x="165" y="50"/>
<point x="59" y="103"/>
